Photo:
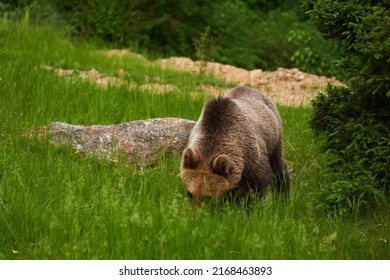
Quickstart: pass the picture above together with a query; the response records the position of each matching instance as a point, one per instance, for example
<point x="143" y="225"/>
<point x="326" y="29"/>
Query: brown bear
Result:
<point x="236" y="145"/>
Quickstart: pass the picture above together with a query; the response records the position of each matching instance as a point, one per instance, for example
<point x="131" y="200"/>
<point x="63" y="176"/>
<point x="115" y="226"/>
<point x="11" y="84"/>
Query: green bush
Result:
<point x="355" y="132"/>
<point x="354" y="122"/>
<point x="167" y="26"/>
<point x="307" y="55"/>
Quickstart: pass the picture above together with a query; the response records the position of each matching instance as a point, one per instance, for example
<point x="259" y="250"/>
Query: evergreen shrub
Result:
<point x="354" y="122"/>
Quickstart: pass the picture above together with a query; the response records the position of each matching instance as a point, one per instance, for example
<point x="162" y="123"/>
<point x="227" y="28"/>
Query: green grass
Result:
<point x="55" y="204"/>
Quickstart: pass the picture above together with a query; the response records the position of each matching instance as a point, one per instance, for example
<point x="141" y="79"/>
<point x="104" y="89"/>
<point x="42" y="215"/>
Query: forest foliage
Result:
<point x="246" y="33"/>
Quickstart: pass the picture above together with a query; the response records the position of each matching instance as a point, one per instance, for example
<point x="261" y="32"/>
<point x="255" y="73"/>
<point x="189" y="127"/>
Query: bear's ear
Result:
<point x="190" y="158"/>
<point x="222" y="165"/>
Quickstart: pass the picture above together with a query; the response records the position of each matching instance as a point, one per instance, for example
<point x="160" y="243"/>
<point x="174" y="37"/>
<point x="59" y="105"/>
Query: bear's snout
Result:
<point x="197" y="196"/>
<point x="203" y="186"/>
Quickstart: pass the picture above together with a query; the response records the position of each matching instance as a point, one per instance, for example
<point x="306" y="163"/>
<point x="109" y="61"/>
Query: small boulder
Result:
<point x="138" y="141"/>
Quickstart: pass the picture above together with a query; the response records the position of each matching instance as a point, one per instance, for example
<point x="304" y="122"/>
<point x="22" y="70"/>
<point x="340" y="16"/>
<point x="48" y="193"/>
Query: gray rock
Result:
<point x="139" y="142"/>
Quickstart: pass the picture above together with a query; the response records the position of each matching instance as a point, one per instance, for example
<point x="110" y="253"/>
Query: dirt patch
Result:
<point x="94" y="76"/>
<point x="290" y="87"/>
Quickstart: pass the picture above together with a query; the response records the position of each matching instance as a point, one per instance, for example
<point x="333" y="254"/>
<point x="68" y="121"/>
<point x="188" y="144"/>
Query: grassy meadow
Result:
<point x="55" y="204"/>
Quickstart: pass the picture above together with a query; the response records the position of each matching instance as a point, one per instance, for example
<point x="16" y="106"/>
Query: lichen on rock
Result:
<point x="138" y="142"/>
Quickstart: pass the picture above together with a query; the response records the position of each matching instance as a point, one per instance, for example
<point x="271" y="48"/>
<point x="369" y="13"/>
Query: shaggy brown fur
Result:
<point x="235" y="145"/>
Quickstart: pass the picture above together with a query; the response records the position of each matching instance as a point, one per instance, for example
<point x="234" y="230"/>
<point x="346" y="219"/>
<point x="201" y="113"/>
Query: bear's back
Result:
<point x="259" y="110"/>
<point x="252" y="100"/>
<point x="242" y="119"/>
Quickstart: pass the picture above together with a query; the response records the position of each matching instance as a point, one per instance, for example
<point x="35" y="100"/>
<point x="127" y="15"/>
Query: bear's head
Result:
<point x="208" y="177"/>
